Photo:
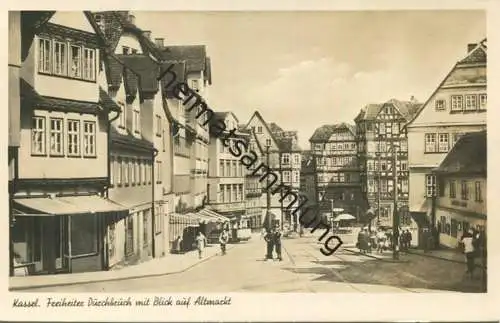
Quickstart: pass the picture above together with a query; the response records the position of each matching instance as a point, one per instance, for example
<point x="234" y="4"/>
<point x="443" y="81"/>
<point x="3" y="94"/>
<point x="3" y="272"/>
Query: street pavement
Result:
<point x="303" y="269"/>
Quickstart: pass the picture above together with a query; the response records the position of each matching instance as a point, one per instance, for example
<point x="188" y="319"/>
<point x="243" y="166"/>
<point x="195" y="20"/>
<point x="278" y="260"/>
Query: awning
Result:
<point x="177" y="218"/>
<point x="71" y="205"/>
<point x="214" y="215"/>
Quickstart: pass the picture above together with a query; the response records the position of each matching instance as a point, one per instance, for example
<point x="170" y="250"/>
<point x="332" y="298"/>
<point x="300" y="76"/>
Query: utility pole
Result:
<point x="395" y="217"/>
<point x="268" y="194"/>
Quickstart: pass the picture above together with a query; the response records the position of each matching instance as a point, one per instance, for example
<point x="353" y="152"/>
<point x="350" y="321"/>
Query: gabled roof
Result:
<point x="469" y="155"/>
<point x="195" y="58"/>
<point x="259" y="116"/>
<point x="324" y="132"/>
<point x="478" y="55"/>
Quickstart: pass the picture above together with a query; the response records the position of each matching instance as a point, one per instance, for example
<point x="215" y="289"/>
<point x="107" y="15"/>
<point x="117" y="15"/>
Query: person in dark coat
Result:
<point x="277" y="241"/>
<point x="268" y="237"/>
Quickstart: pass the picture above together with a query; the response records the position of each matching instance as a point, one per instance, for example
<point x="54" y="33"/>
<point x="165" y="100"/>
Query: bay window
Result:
<point x="60" y="58"/>
<point x="44" y="55"/>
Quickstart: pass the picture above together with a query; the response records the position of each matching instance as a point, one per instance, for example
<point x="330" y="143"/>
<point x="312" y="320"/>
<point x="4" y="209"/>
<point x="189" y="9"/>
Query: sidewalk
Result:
<point x="445" y="254"/>
<point x="170" y="264"/>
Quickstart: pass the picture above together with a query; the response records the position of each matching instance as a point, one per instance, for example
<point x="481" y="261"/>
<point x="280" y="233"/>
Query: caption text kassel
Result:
<point x="121" y="301"/>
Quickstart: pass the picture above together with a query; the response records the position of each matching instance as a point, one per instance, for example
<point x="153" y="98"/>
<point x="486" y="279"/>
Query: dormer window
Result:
<point x="125" y="50"/>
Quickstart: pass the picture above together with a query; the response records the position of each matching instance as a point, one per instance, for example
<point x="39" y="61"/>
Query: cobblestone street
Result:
<point x="304" y="269"/>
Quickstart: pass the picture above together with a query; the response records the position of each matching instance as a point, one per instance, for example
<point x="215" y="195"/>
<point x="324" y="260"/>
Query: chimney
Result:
<point x="131" y="19"/>
<point x="159" y="42"/>
<point x="470" y="47"/>
<point x="147" y="34"/>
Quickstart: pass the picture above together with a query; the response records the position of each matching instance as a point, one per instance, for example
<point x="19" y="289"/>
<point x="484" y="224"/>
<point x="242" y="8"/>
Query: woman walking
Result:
<point x="201" y="242"/>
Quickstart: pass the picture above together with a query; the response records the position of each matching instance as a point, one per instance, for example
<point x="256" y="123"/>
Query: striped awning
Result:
<point x="214" y="215"/>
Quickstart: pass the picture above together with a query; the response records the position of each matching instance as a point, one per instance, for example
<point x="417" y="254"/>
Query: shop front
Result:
<point x="60" y="234"/>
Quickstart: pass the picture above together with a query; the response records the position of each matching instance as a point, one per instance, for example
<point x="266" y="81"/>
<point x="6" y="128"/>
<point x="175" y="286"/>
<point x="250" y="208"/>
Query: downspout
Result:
<point x="153" y="213"/>
<point x="104" y="253"/>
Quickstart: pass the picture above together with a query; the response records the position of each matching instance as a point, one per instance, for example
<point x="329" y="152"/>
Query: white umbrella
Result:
<point x="344" y="216"/>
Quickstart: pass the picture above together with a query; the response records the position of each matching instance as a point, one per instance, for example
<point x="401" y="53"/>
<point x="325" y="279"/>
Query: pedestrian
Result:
<point x="426" y="237"/>
<point x="467" y="241"/>
<point x="269" y="243"/>
<point x="277" y="241"/>
<point x="201" y="242"/>
<point x="402" y="241"/>
<point x="381" y="238"/>
<point x="408" y="239"/>
<point x="223" y="240"/>
<point x="361" y="238"/>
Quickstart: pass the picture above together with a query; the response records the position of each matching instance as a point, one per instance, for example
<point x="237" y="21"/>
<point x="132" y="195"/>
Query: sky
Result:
<point x="303" y="70"/>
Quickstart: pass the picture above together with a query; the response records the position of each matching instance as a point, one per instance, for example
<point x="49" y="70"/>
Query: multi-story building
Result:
<point x="140" y="167"/>
<point x="461" y="184"/>
<point x="62" y="170"/>
<point x="253" y="187"/>
<point x="334" y="150"/>
<point x="280" y="152"/>
<point x="457" y="106"/>
<point x="383" y="158"/>
<point x="308" y="185"/>
<point x="226" y="174"/>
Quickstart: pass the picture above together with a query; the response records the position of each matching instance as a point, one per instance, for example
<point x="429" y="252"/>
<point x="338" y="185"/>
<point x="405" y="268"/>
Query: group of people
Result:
<point x="273" y="242"/>
<point x="201" y="241"/>
<point x="381" y="240"/>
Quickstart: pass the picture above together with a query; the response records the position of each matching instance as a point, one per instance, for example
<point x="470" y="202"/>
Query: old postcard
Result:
<point x="184" y="161"/>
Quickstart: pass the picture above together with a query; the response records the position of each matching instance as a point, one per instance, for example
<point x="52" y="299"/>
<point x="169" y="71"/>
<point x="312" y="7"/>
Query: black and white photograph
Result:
<point x="247" y="152"/>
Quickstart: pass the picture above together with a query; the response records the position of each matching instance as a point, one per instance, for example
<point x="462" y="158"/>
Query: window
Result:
<point x="453" y="189"/>
<point x="119" y="171"/>
<point x="89" y="64"/>
<point x="470" y="102"/>
<point x="44" y="56"/>
<point x="221" y="168"/>
<point x="233" y="168"/>
<point x="296" y="159"/>
<point x="285" y="159"/>
<point x="149" y="171"/>
<point x="404" y="185"/>
<point x="228" y="169"/>
<point x="158" y="172"/>
<point x="457" y="103"/>
<point x="430" y="185"/>
<point x="112" y="170"/>
<point x="76" y="61"/>
<point x="259" y="129"/>
<point x="144" y="170"/>
<point x="123" y="116"/>
<point x="195" y="85"/>
<point x="83" y="234"/>
<point x="341" y="177"/>
<point x="444" y="144"/>
<point x="404" y="165"/>
<point x="38" y="136"/>
<point x="125" y="171"/>
<point x="440" y="105"/>
<point x="286" y="176"/>
<point x="60" y="58"/>
<point x="240" y="192"/>
<point x="131" y="172"/>
<point x="464" y="192"/>
<point x="395" y="128"/>
<point x="381" y="129"/>
<point x="477" y="192"/>
<point x="73" y="138"/>
<point x="430" y="142"/>
<point x="234" y="195"/>
<point x="158" y="125"/>
<point x="138" y="167"/>
<point x="136" y="123"/>
<point x="268" y="142"/>
<point x="296" y="177"/>
<point x="482" y="101"/>
<point x="56" y="135"/>
<point x="89" y="138"/>
<point x="403" y="145"/>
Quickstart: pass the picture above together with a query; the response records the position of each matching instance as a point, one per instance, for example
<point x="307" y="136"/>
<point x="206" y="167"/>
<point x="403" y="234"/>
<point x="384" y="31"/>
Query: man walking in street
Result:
<point x="469" y="251"/>
<point x="223" y="239"/>
<point x="201" y="242"/>
<point x="277" y="241"/>
<point x="268" y="237"/>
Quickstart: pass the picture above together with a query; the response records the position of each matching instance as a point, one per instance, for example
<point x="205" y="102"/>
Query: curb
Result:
<point x="445" y="259"/>
<point x="119" y="278"/>
<point x="375" y="257"/>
